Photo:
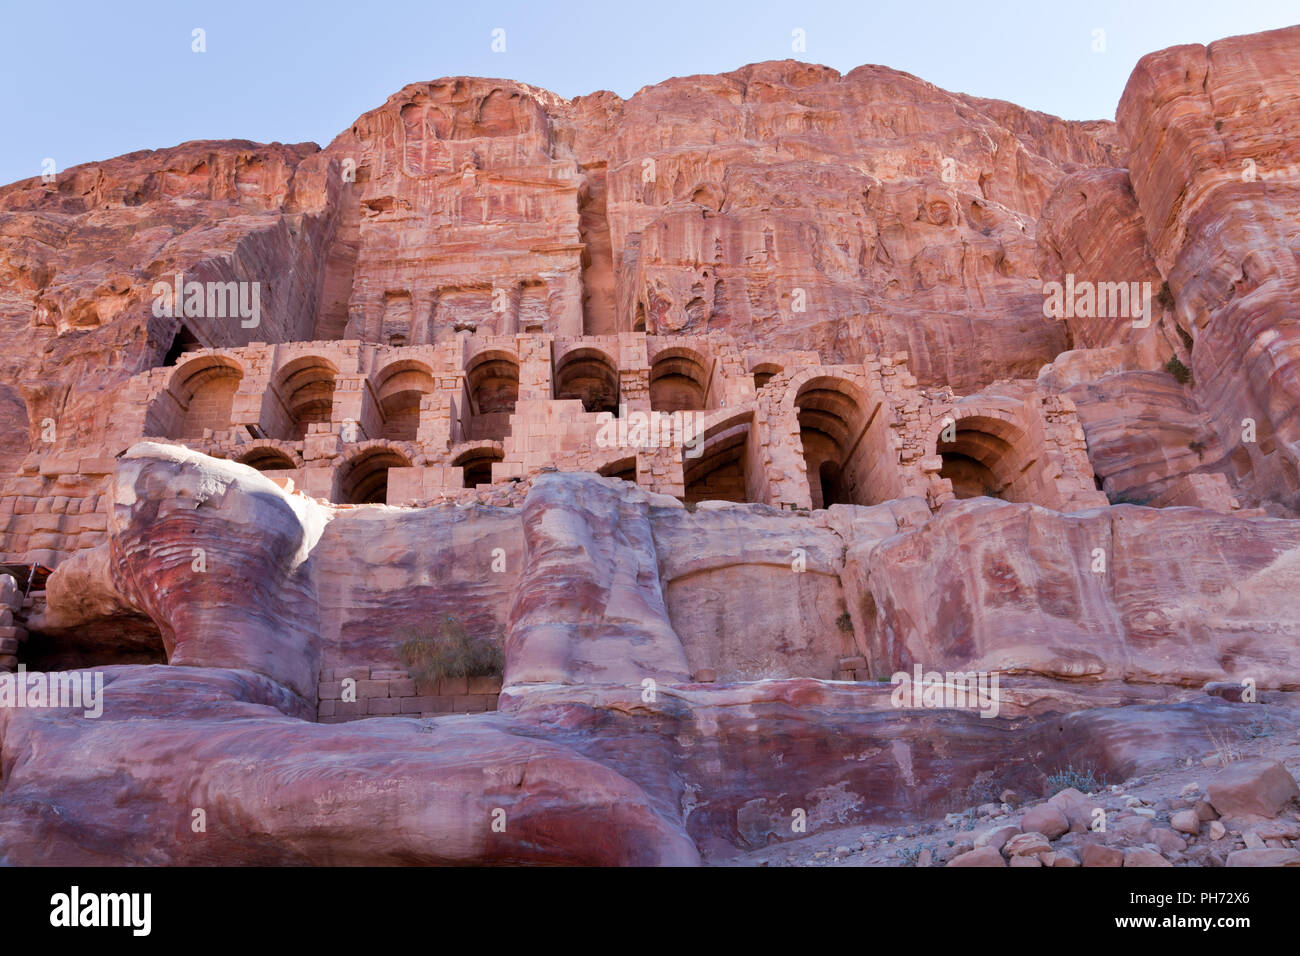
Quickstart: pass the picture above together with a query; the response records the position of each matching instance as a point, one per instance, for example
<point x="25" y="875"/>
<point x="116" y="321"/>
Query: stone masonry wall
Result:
<point x="386" y="692"/>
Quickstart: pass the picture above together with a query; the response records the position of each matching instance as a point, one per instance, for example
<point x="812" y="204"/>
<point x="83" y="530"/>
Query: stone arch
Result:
<point x="267" y="454"/>
<point x="204" y="391"/>
<point x="477" y="461"/>
<point x="591" y="376"/>
<point x="399" y="388"/>
<point x="764" y="372"/>
<point x="988" y="456"/>
<point x="306" y="389"/>
<point x="679" y="380"/>
<point x="623" y="468"/>
<point x="492" y="387"/>
<point x="722" y="471"/>
<point x="845" y="438"/>
<point x="363" y="475"/>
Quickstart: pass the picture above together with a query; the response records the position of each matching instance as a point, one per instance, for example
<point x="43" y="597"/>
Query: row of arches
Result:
<point x="363" y="476"/>
<point x="845" y="440"/>
<point x="204" y="389"/>
<point x="850" y="457"/>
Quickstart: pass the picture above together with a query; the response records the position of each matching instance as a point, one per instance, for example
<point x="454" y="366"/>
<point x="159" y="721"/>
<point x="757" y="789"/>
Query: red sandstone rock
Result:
<point x="281" y="791"/>
<point x="1213" y="163"/>
<point x="461" y="283"/>
<point x="1252" y="787"/>
<point x="1141" y="856"/>
<point x="985" y="856"/>
<point x="1280" y="856"/>
<point x="1045" y="819"/>
<point x="590" y="607"/>
<point x="994" y="586"/>
<point x="165" y="496"/>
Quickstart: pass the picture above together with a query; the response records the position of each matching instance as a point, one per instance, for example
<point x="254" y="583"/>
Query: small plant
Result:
<point x="1186" y="336"/>
<point x="448" y="650"/>
<point x="1165" y="298"/>
<point x="1181" y="373"/>
<point x="844" y="622"/>
<point x="967" y="821"/>
<point x="1226" y="751"/>
<point x="1082" y="779"/>
<point x="1198" y="447"/>
<point x="911" y="855"/>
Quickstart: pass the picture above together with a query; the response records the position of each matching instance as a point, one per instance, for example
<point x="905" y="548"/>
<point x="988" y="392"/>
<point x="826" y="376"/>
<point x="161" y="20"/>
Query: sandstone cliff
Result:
<point x="887" y="456"/>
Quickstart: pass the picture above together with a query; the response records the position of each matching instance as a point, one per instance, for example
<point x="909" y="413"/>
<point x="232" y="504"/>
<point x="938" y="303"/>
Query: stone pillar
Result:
<point x="436" y="414"/>
<point x="661" y="470"/>
<point x="535" y="367"/>
<point x="354" y="403"/>
<point x="634" y="371"/>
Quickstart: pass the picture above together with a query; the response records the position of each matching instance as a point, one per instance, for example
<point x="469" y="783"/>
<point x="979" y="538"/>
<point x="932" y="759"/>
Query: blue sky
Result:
<point x="82" y="81"/>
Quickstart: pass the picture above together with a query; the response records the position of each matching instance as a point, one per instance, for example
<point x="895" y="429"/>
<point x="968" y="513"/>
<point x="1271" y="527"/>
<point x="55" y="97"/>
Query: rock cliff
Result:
<point x="529" y="480"/>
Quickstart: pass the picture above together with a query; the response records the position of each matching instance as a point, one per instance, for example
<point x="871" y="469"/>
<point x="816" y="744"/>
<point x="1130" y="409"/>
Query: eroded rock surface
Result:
<point x="599" y="726"/>
<point x="843" y="278"/>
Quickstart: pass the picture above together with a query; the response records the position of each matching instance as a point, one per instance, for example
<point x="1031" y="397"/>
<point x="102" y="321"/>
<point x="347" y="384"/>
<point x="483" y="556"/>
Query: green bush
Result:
<point x="1082" y="780"/>
<point x="844" y="622"/>
<point x="1181" y="373"/>
<point x="911" y="855"/>
<point x="447" y="650"/>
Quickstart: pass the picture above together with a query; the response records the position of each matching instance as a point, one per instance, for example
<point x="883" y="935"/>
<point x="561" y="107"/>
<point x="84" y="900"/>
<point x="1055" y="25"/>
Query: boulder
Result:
<point x="996" y="837"/>
<point x="983" y="856"/>
<point x="1186" y="821"/>
<point x="1168" y="841"/>
<point x="1045" y="819"/>
<point x="1094" y="854"/>
<point x="1143" y="856"/>
<point x="1257" y="787"/>
<point x="1026" y="844"/>
<point x="1266" y="857"/>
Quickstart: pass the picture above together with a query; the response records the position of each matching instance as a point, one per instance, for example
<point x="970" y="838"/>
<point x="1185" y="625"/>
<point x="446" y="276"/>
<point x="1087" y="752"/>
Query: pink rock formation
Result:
<point x="837" y="284"/>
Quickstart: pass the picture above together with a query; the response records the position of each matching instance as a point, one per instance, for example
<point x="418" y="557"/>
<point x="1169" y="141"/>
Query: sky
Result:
<point x="85" y="80"/>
